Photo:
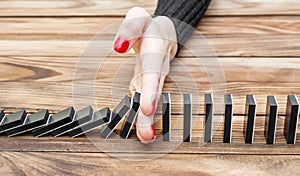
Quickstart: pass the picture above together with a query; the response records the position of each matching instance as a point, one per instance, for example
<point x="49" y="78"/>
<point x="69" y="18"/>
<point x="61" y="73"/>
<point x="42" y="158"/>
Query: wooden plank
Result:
<point x="50" y="79"/>
<point x="120" y="7"/>
<point x="94" y="143"/>
<point x="56" y="96"/>
<point x="247" y="36"/>
<point x="74" y="27"/>
<point x="60" y="163"/>
<point x="209" y="46"/>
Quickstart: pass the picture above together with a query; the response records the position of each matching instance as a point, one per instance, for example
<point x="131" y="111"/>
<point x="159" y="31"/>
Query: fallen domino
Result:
<point x="12" y="120"/>
<point x="31" y="122"/>
<point x="56" y="121"/>
<point x="99" y="118"/>
<point x="81" y="117"/>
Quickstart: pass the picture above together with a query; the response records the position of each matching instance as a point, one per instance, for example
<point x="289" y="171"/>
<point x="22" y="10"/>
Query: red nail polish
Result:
<point x="153" y="108"/>
<point x="121" y="45"/>
<point x="153" y="132"/>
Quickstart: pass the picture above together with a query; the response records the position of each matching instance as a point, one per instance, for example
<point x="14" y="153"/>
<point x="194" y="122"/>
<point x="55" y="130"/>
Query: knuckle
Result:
<point x="137" y="11"/>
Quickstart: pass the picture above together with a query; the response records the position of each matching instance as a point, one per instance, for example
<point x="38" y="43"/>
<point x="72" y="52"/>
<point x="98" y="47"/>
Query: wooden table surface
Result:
<point x="41" y="41"/>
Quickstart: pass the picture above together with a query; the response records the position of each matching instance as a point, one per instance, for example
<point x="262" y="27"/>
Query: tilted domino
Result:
<point x="56" y="121"/>
<point x="31" y="122"/>
<point x="131" y="117"/>
<point x="1" y="115"/>
<point x="118" y="114"/>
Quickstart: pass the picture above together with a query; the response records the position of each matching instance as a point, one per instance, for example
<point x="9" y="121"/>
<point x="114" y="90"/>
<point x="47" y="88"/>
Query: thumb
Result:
<point x="136" y="22"/>
<point x="148" y="101"/>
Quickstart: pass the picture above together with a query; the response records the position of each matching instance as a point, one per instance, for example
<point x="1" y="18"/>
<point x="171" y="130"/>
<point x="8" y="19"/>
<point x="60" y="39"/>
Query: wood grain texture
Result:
<point x="52" y="81"/>
<point x="47" y="27"/>
<point x="120" y="7"/>
<point x="41" y="42"/>
<point x="207" y="46"/>
<point x="246" y="36"/>
<point x="60" y="163"/>
<point x="92" y="142"/>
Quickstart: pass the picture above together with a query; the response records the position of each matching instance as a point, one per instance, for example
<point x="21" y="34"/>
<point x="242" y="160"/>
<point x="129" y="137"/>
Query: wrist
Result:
<point x="168" y="33"/>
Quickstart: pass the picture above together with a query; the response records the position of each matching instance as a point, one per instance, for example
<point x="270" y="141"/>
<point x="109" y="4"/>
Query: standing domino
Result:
<point x="228" y="118"/>
<point x="187" y="117"/>
<point x="166" y="115"/>
<point x="249" y="123"/>
<point x="291" y="119"/>
<point x="209" y="105"/>
<point x="271" y="119"/>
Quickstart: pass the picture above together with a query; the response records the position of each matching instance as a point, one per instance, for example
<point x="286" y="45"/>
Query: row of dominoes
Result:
<point x="70" y="122"/>
<point x="290" y="125"/>
<point x="77" y="123"/>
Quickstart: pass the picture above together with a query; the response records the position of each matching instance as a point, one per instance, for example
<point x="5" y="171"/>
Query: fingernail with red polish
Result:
<point x="153" y="108"/>
<point x="153" y="132"/>
<point x="121" y="45"/>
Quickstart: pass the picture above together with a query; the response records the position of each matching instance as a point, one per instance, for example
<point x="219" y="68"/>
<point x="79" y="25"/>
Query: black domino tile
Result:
<point x="291" y="119"/>
<point x="131" y="117"/>
<point x="209" y="104"/>
<point x="82" y="116"/>
<point x="249" y="123"/>
<point x="187" y="117"/>
<point x="31" y="122"/>
<point x="271" y="120"/>
<point x="118" y="114"/>
<point x="99" y="118"/>
<point x="55" y="121"/>
<point x="166" y="116"/>
<point x="12" y="120"/>
<point x="228" y="118"/>
<point x="2" y="114"/>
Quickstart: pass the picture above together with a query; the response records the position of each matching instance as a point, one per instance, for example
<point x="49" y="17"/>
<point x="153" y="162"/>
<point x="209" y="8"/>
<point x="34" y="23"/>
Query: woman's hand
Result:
<point x="155" y="44"/>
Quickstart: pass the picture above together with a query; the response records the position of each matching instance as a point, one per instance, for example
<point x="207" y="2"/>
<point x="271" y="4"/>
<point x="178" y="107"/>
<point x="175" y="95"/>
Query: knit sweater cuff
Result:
<point x="185" y="14"/>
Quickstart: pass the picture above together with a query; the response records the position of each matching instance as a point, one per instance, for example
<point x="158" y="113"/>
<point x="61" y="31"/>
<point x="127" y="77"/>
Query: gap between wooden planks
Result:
<point x="120" y="7"/>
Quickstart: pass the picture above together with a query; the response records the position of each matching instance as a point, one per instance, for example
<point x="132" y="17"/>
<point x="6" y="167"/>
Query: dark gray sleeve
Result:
<point x="185" y="14"/>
